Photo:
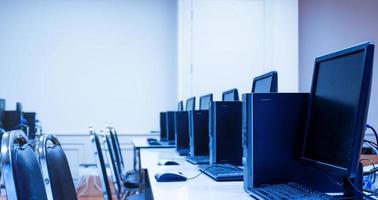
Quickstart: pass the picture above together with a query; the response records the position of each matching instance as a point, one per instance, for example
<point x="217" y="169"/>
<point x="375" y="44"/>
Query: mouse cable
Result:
<point x="372" y="175"/>
<point x="374" y="131"/>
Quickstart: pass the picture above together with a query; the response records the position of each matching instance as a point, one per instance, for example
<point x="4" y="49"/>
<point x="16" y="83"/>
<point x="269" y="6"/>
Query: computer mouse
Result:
<point x="149" y="140"/>
<point x="170" y="177"/>
<point x="167" y="162"/>
<point x="153" y="141"/>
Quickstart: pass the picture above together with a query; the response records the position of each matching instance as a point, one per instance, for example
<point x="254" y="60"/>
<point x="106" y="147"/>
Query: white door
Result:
<point x="227" y="45"/>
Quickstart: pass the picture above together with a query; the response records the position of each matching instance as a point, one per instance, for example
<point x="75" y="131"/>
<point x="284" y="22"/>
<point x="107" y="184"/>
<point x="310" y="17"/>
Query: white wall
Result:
<point x="80" y="63"/>
<point x="223" y="44"/>
<point x="326" y="26"/>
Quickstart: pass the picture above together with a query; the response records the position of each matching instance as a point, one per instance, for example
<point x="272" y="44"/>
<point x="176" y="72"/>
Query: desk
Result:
<point x="143" y="144"/>
<point x="202" y="187"/>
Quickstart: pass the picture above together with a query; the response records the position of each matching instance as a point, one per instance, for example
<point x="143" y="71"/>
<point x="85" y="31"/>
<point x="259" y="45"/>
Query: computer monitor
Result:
<point x="18" y="107"/>
<point x="205" y="101"/>
<point x="230" y="95"/>
<point x="265" y="83"/>
<point x="190" y="104"/>
<point x="2" y="113"/>
<point x="180" y="106"/>
<point x="338" y="109"/>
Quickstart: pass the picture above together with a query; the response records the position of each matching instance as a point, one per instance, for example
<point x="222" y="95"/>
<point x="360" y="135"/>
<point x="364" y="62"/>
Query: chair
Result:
<point x="117" y="147"/>
<point x="22" y="174"/>
<point x="130" y="179"/>
<point x="110" y="155"/>
<point x="96" y="145"/>
<point x="55" y="169"/>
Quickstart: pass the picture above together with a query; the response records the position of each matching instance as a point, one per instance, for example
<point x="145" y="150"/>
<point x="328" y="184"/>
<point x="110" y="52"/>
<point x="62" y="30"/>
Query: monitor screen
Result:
<point x="333" y="125"/>
<point x="190" y="104"/>
<point x="180" y="106"/>
<point x="262" y="85"/>
<point x="265" y="83"/>
<point x="205" y="101"/>
<point x="230" y="95"/>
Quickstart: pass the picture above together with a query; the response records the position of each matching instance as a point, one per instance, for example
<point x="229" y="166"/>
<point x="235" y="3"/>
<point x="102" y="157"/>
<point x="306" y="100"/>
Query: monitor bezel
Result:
<point x="203" y="97"/>
<point x="234" y="90"/>
<point x="180" y="104"/>
<point x="194" y="103"/>
<point x="274" y="82"/>
<point x="361" y="115"/>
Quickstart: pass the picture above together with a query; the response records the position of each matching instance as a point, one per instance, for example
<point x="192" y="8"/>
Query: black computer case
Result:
<point x="170" y="127"/>
<point x="13" y="120"/>
<point x="199" y="132"/>
<point x="163" y="127"/>
<point x="225" y="132"/>
<point x="181" y="123"/>
<point x="31" y="122"/>
<point x="273" y="130"/>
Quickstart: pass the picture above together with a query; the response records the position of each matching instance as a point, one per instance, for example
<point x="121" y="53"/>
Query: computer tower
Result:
<point x="13" y="120"/>
<point x="225" y="132"/>
<point x="181" y="123"/>
<point x="273" y="130"/>
<point x="199" y="132"/>
<point x="163" y="127"/>
<point x="31" y="122"/>
<point x="170" y="127"/>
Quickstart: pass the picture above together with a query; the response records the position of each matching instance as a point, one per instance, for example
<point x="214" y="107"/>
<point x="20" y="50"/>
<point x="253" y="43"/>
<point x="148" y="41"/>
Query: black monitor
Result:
<point x="180" y="106"/>
<point x="19" y="107"/>
<point x="190" y="104"/>
<point x="230" y="95"/>
<point x="2" y="113"/>
<point x="338" y="110"/>
<point x="265" y="83"/>
<point x="205" y="101"/>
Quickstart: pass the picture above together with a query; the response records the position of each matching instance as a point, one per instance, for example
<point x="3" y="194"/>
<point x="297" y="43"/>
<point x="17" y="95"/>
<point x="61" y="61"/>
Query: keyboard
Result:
<point x="288" y="191"/>
<point x="223" y="172"/>
<point x="198" y="160"/>
<point x="183" y="152"/>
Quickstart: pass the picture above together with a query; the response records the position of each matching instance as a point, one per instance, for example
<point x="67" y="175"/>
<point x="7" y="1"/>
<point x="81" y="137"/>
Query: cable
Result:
<point x="372" y="164"/>
<point x="371" y="191"/>
<point x="371" y="143"/>
<point x="374" y="131"/>
<point x="359" y="191"/>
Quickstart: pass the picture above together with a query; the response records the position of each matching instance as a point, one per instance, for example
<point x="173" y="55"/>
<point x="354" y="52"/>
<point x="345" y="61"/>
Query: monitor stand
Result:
<point x="357" y="181"/>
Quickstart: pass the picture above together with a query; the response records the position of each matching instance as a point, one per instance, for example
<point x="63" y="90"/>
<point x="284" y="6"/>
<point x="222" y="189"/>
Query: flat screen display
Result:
<point x="335" y="100"/>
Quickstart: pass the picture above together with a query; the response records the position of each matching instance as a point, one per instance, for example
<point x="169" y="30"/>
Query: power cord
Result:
<point x="361" y="192"/>
<point x="372" y="145"/>
<point x="374" y="131"/>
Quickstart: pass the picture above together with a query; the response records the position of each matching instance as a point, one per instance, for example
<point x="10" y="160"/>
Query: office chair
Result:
<point x="96" y="145"/>
<point x="55" y="169"/>
<point x="116" y="146"/>
<point x="22" y="174"/>
<point x="110" y="154"/>
<point x="130" y="180"/>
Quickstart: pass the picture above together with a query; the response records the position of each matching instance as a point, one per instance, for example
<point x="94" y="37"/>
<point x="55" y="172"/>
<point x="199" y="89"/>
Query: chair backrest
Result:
<point x="110" y="155"/>
<point x="96" y="145"/>
<point x="22" y="174"/>
<point x="117" y="147"/>
<point x="55" y="169"/>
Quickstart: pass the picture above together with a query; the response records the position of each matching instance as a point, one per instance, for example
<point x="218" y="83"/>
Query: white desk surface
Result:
<point x="141" y="143"/>
<point x="202" y="187"/>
